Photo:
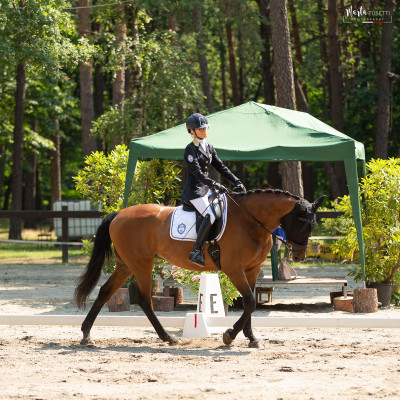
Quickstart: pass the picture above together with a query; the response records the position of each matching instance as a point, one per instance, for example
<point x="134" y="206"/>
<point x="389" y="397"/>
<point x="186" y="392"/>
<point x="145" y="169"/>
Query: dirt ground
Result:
<point x="47" y="362"/>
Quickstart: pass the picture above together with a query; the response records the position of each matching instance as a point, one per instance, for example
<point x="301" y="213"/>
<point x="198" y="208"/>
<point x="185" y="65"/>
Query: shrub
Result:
<point x="102" y="181"/>
<point x="380" y="209"/>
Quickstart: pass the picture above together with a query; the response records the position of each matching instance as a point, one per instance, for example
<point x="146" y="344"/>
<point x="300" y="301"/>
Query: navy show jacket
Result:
<point x="197" y="163"/>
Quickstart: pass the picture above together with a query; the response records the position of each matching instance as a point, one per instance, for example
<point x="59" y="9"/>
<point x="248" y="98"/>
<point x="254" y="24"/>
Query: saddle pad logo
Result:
<point x="181" y="228"/>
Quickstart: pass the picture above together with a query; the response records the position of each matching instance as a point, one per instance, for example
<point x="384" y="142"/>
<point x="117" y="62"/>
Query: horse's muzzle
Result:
<point x="298" y="256"/>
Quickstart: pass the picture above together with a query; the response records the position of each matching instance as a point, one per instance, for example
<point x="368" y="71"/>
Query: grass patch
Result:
<point x="15" y="253"/>
<point x="24" y="253"/>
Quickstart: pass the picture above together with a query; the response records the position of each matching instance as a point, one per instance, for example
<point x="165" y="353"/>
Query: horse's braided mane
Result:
<point x="272" y="191"/>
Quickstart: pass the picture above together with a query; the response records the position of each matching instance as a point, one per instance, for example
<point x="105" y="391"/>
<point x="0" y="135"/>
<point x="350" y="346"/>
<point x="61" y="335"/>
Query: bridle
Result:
<point x="290" y="244"/>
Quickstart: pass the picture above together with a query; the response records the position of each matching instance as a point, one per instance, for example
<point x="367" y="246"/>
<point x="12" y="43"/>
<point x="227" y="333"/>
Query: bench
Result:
<point x="264" y="284"/>
<point x="259" y="291"/>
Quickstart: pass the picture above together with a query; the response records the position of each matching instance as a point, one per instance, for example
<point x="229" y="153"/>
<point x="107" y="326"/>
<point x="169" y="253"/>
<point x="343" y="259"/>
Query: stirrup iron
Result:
<point x="196" y="257"/>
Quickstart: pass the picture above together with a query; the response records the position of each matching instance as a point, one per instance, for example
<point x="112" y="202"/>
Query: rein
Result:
<point x="258" y="222"/>
<point x="287" y="243"/>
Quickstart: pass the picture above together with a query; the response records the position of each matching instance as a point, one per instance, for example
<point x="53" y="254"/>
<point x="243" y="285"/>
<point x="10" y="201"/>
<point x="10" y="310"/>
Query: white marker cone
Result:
<point x="195" y="326"/>
<point x="210" y="300"/>
<point x="209" y="304"/>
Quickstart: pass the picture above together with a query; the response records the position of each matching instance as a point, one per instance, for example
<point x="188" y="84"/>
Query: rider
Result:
<point x="199" y="155"/>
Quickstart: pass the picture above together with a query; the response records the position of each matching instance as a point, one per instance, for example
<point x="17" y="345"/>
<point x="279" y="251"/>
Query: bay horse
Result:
<point x="140" y="233"/>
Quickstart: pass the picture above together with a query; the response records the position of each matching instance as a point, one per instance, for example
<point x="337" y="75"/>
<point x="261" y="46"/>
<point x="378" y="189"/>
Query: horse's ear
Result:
<point x="318" y="202"/>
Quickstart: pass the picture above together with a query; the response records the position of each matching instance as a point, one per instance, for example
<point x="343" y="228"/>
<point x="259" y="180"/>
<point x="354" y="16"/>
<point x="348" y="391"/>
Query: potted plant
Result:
<point x="380" y="208"/>
<point x="191" y="279"/>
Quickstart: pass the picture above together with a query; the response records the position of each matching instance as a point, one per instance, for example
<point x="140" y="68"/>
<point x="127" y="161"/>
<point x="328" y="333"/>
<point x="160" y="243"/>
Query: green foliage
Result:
<point x="40" y="34"/>
<point x="191" y="279"/>
<point x="334" y="226"/>
<point x="102" y="180"/>
<point x="380" y="194"/>
<point x="164" y="65"/>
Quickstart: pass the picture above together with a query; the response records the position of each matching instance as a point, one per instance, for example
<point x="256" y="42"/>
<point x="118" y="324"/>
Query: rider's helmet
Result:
<point x="196" y="121"/>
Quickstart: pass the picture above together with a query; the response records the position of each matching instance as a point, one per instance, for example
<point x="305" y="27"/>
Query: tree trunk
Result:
<point x="223" y="69"/>
<point x="99" y="83"/>
<point x="7" y="194"/>
<point x="55" y="166"/>
<point x="242" y="63"/>
<point x="232" y="65"/>
<point x="265" y="33"/>
<point x="86" y="83"/>
<point x="284" y="80"/>
<point x="324" y="57"/>
<point x="30" y="188"/>
<point x="39" y="196"/>
<point x="98" y="88"/>
<point x="205" y="77"/>
<point x="134" y="87"/>
<point x="308" y="180"/>
<point x="172" y="27"/>
<point x="297" y="43"/>
<point x="334" y="66"/>
<point x="307" y="172"/>
<point x="18" y="152"/>
<point x="336" y="87"/>
<point x="274" y="177"/>
<point x="301" y="99"/>
<point x="384" y="82"/>
<point x="330" y="174"/>
<point x="30" y="182"/>
<point x="326" y="94"/>
<point x="2" y="168"/>
<point x="118" y="95"/>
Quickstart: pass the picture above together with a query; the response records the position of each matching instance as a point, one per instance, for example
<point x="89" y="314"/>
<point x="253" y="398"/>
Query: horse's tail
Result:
<point x="101" y="249"/>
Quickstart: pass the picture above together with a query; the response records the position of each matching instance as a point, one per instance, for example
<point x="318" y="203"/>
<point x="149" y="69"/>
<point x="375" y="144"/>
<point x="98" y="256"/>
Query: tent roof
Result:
<point x="254" y="131"/>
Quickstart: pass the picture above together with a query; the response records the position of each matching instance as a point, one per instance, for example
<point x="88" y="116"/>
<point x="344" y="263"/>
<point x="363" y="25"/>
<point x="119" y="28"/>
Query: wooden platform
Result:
<point x="267" y="282"/>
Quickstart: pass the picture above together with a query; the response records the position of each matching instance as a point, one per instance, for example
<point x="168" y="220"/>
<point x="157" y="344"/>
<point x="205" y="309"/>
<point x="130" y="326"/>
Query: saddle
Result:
<point x="217" y="205"/>
<point x="186" y="221"/>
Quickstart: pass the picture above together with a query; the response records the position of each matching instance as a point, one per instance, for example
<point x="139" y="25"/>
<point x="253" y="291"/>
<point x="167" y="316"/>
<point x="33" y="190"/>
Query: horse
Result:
<point x="141" y="233"/>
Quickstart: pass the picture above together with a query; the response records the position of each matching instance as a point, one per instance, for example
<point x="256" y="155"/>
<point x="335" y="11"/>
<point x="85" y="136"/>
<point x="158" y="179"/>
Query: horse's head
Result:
<point x="298" y="226"/>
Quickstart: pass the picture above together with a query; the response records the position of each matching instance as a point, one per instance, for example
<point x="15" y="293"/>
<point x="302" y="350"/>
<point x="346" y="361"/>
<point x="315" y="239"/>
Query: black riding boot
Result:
<point x="195" y="256"/>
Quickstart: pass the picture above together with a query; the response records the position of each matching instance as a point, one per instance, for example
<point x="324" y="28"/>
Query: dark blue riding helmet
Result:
<point x="196" y="121"/>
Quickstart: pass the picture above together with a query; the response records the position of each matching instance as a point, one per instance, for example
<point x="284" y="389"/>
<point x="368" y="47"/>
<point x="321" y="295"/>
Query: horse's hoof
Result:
<point x="254" y="344"/>
<point x="86" y="341"/>
<point x="227" y="338"/>
<point x="173" y="340"/>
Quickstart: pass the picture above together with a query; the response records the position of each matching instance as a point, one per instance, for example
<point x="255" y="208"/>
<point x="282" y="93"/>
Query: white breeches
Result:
<point x="203" y="206"/>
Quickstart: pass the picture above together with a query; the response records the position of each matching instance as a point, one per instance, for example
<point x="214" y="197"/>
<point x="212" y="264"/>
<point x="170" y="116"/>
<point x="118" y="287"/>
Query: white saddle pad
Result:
<point x="183" y="224"/>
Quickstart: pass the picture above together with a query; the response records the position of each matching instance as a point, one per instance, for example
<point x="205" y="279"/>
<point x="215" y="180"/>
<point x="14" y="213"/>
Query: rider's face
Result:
<point x="201" y="133"/>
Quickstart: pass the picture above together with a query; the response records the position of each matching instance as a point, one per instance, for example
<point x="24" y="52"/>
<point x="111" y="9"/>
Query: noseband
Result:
<point x="296" y="245"/>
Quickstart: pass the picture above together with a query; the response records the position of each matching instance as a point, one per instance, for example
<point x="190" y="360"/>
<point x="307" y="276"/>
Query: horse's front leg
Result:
<point x="252" y="276"/>
<point x="248" y="332"/>
<point x="116" y="280"/>
<point x="249" y="305"/>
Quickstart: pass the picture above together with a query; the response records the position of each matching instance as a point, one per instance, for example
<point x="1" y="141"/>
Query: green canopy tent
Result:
<point x="260" y="132"/>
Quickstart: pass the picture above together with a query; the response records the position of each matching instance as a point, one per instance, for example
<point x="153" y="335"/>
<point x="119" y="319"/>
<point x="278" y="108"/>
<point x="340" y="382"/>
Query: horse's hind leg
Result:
<point x="116" y="280"/>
